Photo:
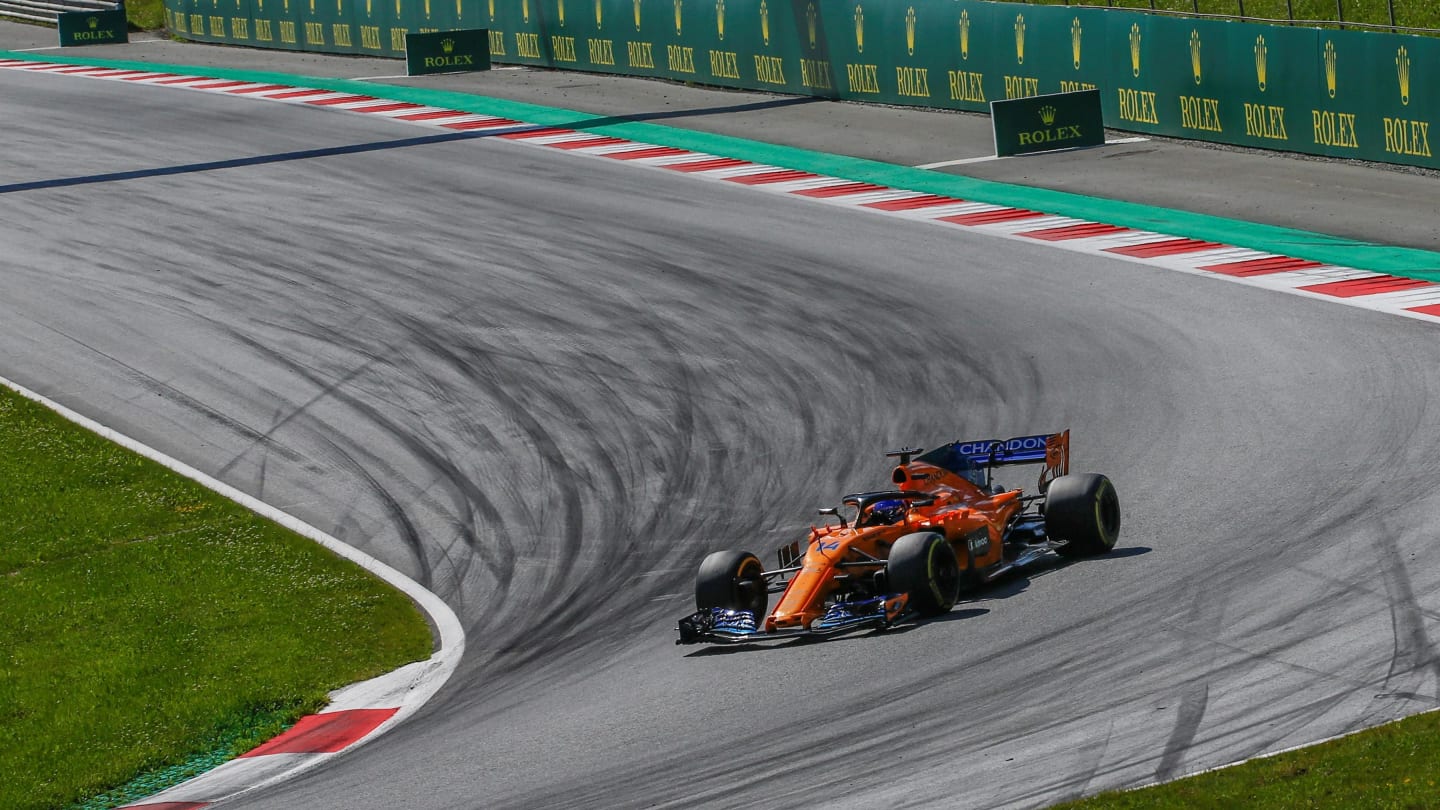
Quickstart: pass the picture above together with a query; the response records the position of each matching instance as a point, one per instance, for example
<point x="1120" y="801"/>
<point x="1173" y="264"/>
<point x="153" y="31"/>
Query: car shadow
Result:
<point x="907" y="626"/>
<point x="1012" y="584"/>
<point x="1119" y="554"/>
<point x="586" y="123"/>
<point x="1016" y="582"/>
<point x="955" y="615"/>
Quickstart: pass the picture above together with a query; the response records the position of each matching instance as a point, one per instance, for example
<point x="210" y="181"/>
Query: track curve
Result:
<point x="546" y="386"/>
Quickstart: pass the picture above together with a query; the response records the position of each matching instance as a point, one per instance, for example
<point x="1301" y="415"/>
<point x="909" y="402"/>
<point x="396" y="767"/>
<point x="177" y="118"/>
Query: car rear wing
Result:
<point x="1050" y="449"/>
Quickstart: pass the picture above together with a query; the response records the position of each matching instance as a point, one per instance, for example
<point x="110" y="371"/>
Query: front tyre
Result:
<point x="732" y="580"/>
<point x="923" y="565"/>
<point x="1083" y="510"/>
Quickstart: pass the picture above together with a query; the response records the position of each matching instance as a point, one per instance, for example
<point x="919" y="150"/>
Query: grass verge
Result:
<point x="1393" y="766"/>
<point x="1407" y="13"/>
<point x="146" y="15"/>
<point x="150" y="622"/>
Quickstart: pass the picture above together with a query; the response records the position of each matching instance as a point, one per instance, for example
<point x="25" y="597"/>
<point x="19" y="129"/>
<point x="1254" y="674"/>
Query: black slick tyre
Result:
<point x="923" y="565"/>
<point x="732" y="580"/>
<point x="1084" y="511"/>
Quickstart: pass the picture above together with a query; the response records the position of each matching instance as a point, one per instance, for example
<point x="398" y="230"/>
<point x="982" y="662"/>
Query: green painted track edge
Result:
<point x="1324" y="248"/>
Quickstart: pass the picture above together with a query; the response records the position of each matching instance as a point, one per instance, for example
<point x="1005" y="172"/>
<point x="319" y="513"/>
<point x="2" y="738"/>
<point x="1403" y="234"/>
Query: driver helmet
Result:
<point x="885" y="513"/>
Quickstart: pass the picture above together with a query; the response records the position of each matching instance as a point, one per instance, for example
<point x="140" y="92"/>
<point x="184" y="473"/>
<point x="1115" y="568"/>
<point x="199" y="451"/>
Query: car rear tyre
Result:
<point x="732" y="580"/>
<point x="1084" y="511"/>
<point x="923" y="565"/>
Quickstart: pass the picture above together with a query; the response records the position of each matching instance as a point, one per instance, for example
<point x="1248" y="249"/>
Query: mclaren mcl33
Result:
<point x="882" y="557"/>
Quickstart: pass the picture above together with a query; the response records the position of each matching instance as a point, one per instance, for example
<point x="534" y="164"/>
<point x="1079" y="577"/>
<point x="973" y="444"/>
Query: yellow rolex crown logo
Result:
<point x="93" y="22"/>
<point x="859" y="29"/>
<point x="1020" y="39"/>
<point x="447" y="45"/>
<point x="559" y="8"/>
<point x="637" y="15"/>
<point x="1047" y="115"/>
<point x="719" y="18"/>
<point x="1402" y="70"/>
<point x="599" y="13"/>
<point x="1330" y="75"/>
<point x="810" y="23"/>
<point x="1075" y="32"/>
<point x="491" y="5"/>
<point x="524" y="9"/>
<point x="765" y="21"/>
<point x="678" y="5"/>
<point x="965" y="35"/>
<point x="1260" y="53"/>
<point x="910" y="31"/>
<point x="1135" y="49"/>
<point x="1195" y="54"/>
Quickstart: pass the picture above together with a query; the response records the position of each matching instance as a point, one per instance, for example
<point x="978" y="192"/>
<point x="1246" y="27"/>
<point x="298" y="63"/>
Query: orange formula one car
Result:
<point x="946" y="526"/>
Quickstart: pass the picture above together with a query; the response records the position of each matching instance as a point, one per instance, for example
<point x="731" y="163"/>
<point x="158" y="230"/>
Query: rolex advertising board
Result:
<point x="516" y="28"/>
<point x="814" y="64"/>
<point x="585" y="36"/>
<point x="863" y="72"/>
<point x="642" y="27"/>
<point x="871" y="50"/>
<point x="447" y="52"/>
<point x="277" y="24"/>
<point x="1203" y="107"/>
<point x="375" y="22"/>
<point x="1378" y="99"/>
<point x="92" y="27"/>
<point x="317" y="17"/>
<point x="918" y="48"/>
<point x="210" y="21"/>
<point x="238" y="20"/>
<point x="1085" y="59"/>
<point x="1272" y="97"/>
<point x="207" y="23"/>
<point x="566" y="41"/>
<point x="1043" y="123"/>
<point x="1236" y="84"/>
<point x="967" y="61"/>
<point x="1039" y="49"/>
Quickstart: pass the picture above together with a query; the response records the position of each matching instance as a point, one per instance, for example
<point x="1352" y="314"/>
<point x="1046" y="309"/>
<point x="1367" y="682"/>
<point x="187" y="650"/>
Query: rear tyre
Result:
<point x="1083" y="510"/>
<point x="923" y="565"/>
<point x="732" y="580"/>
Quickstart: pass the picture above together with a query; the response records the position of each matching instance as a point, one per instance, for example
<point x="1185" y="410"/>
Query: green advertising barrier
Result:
<point x="92" y="28"/>
<point x="1337" y="93"/>
<point x="1041" y="123"/>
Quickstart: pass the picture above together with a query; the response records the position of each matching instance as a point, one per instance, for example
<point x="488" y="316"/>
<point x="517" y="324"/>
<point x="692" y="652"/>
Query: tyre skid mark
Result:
<point x="694" y="463"/>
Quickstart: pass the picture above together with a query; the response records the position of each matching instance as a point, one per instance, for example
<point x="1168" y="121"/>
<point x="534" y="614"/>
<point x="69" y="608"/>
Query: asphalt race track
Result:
<point x="546" y="386"/>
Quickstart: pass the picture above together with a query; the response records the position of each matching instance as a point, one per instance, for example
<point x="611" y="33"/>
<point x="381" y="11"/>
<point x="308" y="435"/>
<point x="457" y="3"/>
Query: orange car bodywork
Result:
<point x="971" y="518"/>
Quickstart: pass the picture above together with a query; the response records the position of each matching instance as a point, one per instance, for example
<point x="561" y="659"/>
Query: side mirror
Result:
<point x="835" y="513"/>
<point x="788" y="555"/>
